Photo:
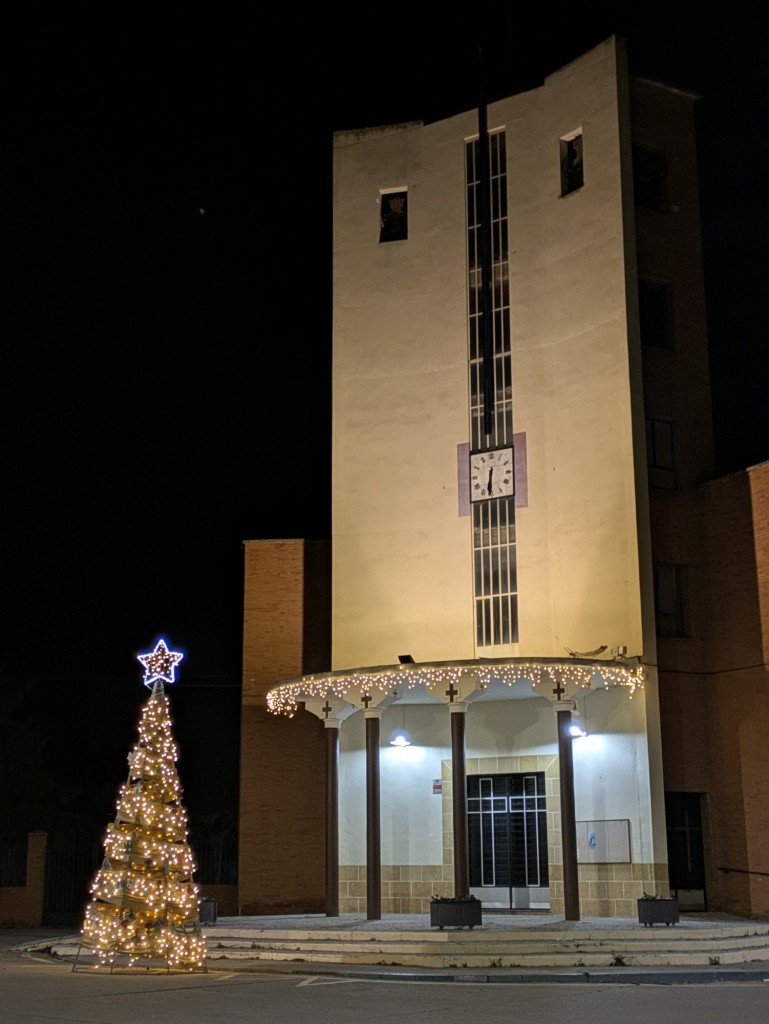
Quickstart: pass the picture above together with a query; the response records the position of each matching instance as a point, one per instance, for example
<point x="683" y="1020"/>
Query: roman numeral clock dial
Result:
<point x="491" y="474"/>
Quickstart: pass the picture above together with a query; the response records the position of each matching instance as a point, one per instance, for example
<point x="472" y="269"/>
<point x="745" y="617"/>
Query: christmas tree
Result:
<point x="144" y="901"/>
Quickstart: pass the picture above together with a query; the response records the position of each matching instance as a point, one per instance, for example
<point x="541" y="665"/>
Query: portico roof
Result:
<point x="469" y="681"/>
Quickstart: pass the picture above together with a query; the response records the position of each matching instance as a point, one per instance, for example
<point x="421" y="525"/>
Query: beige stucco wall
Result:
<point x="401" y="555"/>
<point x="401" y="552"/>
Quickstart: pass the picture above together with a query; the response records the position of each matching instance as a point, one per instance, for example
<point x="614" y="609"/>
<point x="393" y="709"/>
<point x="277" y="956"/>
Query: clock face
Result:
<point x="491" y="474"/>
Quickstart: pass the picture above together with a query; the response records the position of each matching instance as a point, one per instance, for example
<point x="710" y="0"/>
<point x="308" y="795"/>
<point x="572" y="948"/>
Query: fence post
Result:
<point x="36" y="852"/>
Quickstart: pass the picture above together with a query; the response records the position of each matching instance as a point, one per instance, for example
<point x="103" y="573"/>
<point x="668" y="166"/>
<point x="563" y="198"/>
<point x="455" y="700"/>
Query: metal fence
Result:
<point x="217" y="860"/>
<point x="71" y="865"/>
<point x="13" y="862"/>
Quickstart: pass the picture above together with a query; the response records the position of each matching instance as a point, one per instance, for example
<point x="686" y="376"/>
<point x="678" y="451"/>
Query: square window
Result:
<point x="572" y="167"/>
<point x="394" y="222"/>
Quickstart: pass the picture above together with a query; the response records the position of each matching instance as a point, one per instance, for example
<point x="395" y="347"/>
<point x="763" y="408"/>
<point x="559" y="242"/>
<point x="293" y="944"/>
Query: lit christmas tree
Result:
<point x="144" y="901"/>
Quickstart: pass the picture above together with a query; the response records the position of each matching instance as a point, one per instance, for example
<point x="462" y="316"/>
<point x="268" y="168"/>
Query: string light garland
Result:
<point x="144" y="902"/>
<point x="544" y="674"/>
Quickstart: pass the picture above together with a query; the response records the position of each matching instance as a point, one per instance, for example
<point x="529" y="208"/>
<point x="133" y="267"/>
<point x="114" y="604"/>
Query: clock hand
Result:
<point x="491" y="474"/>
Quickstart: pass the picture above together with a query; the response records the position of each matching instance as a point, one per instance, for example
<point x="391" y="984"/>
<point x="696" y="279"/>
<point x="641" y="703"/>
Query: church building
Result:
<point x="502" y="676"/>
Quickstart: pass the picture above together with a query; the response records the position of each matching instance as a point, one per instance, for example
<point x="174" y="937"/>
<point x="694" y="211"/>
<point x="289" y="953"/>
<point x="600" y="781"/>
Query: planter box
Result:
<point x="657" y="912"/>
<point x="455" y="915"/>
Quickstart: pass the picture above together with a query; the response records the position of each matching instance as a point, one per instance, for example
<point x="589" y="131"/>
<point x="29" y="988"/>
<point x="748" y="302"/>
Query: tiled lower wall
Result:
<point x="406" y="888"/>
<point x="606" y="890"/>
<point x="610" y="890"/>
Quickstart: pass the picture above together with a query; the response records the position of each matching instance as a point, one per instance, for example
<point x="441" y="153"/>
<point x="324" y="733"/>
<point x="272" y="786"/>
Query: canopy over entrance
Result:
<point x="451" y="681"/>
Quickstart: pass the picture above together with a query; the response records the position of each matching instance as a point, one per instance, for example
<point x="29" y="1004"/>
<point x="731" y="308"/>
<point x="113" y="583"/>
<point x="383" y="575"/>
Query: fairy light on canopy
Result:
<point x="573" y="675"/>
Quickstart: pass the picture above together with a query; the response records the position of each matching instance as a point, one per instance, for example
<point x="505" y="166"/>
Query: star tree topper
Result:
<point x="160" y="664"/>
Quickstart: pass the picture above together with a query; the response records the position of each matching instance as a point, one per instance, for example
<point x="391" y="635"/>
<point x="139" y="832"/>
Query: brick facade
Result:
<point x="714" y="692"/>
<point x="282" y="789"/>
<point x="22" y="906"/>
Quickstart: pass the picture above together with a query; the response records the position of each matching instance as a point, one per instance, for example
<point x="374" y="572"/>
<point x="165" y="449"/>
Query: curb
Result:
<point x="628" y="976"/>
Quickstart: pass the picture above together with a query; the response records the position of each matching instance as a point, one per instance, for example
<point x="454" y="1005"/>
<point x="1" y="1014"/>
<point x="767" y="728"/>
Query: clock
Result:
<point x="491" y="474"/>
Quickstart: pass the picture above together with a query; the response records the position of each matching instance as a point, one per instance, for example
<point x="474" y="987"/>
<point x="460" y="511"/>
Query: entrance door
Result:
<point x="507" y="833"/>
<point x="686" y="852"/>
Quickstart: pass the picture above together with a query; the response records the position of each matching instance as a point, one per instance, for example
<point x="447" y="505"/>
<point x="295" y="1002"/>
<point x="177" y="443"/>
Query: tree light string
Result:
<point x="144" y="902"/>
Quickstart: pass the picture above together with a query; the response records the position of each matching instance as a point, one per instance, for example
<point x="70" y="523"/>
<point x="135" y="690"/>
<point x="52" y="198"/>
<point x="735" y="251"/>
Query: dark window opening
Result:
<point x="394" y="223"/>
<point x="659" y="454"/>
<point x="654" y="310"/>
<point x="650" y="178"/>
<point x="669" y="599"/>
<point x="572" y="167"/>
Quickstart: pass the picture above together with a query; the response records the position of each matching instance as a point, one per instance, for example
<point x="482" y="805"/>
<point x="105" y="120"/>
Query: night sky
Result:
<point x="167" y="323"/>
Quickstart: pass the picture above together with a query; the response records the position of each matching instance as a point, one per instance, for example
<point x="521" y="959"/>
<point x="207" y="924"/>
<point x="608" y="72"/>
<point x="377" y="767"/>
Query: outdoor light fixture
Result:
<point x="576" y="729"/>
<point x="400" y="739"/>
<point x="405" y="659"/>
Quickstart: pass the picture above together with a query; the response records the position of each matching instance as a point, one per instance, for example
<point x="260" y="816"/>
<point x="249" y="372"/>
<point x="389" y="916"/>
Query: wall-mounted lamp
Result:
<point x="576" y="729"/>
<point x="405" y="659"/>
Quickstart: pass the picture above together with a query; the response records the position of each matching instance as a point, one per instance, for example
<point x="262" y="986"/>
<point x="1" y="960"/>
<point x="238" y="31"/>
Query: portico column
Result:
<point x="373" y="833"/>
<point x="332" y="712"/>
<point x="332" y="817"/>
<point x="563" y="710"/>
<point x="458" y="711"/>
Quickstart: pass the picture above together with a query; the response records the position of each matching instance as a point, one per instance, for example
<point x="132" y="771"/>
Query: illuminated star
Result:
<point x="160" y="663"/>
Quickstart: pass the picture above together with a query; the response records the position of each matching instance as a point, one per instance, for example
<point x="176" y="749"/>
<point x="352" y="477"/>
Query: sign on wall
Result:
<point x="603" y="842"/>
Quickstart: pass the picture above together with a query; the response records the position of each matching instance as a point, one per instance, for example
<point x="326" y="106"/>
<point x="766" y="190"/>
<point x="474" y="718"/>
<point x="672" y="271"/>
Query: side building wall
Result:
<point x="715" y="708"/>
<point x="282" y="789"/>
<point x="21" y="906"/>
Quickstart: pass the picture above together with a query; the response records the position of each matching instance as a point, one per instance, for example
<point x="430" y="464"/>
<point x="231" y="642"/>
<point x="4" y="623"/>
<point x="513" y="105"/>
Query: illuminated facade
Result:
<point x="519" y="361"/>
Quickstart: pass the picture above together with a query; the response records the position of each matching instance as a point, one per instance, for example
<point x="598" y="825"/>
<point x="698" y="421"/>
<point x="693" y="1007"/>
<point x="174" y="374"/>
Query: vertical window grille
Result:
<point x="500" y="312"/>
<point x="494" y="550"/>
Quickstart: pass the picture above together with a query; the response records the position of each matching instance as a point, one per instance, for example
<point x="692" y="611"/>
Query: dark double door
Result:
<point x="507" y="834"/>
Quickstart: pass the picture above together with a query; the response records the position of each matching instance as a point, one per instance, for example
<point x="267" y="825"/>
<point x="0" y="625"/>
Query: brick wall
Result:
<point x="715" y="707"/>
<point x="22" y="906"/>
<point x="282" y="790"/>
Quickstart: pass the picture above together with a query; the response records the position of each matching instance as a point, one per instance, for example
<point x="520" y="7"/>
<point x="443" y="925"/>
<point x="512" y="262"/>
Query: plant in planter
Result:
<point x="455" y="911"/>
<point x="657" y="910"/>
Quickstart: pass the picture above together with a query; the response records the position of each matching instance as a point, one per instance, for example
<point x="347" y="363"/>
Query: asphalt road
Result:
<point x="37" y="990"/>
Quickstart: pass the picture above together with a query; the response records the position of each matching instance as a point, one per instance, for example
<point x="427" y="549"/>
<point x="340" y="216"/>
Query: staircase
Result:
<point x="407" y="942"/>
<point x="631" y="946"/>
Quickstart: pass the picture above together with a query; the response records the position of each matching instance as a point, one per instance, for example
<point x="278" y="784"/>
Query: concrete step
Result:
<point x="682" y="945"/>
<point x="476" y="949"/>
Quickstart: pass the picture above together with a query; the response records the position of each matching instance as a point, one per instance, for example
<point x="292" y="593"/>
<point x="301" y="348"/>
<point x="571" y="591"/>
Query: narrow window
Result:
<point x="654" y="309"/>
<point x="650" y="178"/>
<point x="495" y="582"/>
<point x="659" y="454"/>
<point x="669" y="603"/>
<point x="572" y="167"/>
<point x="394" y="221"/>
